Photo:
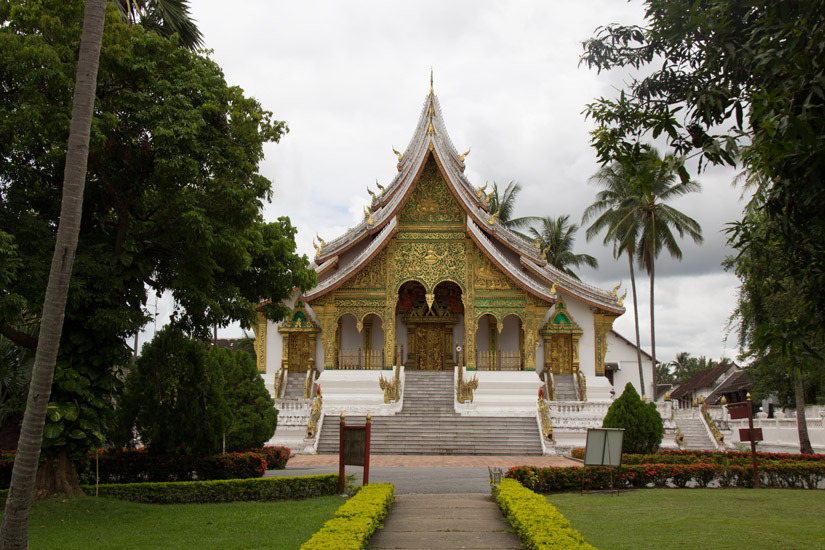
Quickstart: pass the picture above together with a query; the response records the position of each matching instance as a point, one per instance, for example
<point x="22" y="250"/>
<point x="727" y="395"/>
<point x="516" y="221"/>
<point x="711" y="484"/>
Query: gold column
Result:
<point x="575" y="342"/>
<point x="325" y="314"/>
<point x="468" y="298"/>
<point x="285" y="353"/>
<point x="259" y="328"/>
<point x="389" y="330"/>
<point x="602" y="325"/>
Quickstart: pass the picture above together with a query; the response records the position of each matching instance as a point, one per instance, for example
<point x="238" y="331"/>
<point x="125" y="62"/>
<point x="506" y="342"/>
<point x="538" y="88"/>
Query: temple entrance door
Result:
<point x="298" y="352"/>
<point x="561" y="354"/>
<point x="429" y="340"/>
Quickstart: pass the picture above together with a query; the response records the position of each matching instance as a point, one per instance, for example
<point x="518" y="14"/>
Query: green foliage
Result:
<point x="356" y="521"/>
<point x="727" y="73"/>
<point x="174" y="396"/>
<point x="230" y="490"/>
<point x="505" y="205"/>
<point x="642" y="423"/>
<point x="253" y="417"/>
<point x="539" y="524"/>
<point x="172" y="202"/>
<point x="557" y="237"/>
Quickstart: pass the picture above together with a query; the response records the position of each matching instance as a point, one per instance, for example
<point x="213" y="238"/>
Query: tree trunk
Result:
<point x="15" y="529"/>
<point x="56" y="475"/>
<point x="652" y="330"/>
<point x="801" y="425"/>
<point x="636" y="320"/>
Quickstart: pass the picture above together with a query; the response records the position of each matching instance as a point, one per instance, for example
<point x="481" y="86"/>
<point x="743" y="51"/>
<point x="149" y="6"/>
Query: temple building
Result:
<point x="429" y="280"/>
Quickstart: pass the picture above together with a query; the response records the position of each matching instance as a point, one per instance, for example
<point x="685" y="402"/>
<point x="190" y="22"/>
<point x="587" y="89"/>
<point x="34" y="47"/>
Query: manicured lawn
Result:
<point x="772" y="519"/>
<point x="86" y="522"/>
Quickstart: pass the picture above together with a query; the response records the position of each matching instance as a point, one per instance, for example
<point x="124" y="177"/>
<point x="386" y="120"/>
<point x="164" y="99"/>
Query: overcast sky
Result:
<point x="350" y="79"/>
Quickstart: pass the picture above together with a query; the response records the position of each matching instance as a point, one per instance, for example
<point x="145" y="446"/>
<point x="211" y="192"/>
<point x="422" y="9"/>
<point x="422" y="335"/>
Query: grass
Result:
<point x="774" y="519"/>
<point x="86" y="522"/>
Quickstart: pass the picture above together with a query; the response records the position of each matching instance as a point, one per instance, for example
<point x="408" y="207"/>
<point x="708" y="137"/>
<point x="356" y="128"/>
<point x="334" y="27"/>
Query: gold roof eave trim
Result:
<point x="345" y="272"/>
<point x="518" y="277"/>
<point x="589" y="294"/>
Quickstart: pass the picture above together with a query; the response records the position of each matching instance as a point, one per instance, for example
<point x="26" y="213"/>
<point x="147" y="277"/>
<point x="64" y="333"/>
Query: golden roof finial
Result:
<point x="397" y="153"/>
<point x="317" y="250"/>
<point x="545" y="251"/>
<point x="320" y="240"/>
<point x="371" y="194"/>
<point x="615" y="288"/>
<point x="381" y="187"/>
<point x="537" y="244"/>
<point x="368" y="215"/>
<point x="621" y="300"/>
<point x="462" y="156"/>
<point x="553" y="288"/>
<point x="480" y="192"/>
<point x="494" y="217"/>
<point x="431" y="81"/>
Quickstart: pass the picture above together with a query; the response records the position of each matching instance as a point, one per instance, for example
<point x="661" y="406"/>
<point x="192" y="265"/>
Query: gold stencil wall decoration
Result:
<point x="431" y="201"/>
<point x="429" y="263"/>
<point x="602" y="324"/>
<point x="259" y="328"/>
<point x="487" y="275"/>
<point x="371" y="276"/>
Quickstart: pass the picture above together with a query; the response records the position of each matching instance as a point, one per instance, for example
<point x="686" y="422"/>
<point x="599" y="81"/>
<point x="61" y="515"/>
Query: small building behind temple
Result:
<point x="430" y="281"/>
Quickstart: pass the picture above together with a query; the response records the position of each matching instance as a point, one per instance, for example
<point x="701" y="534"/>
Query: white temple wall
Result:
<point x="508" y="340"/>
<point x="483" y="334"/>
<point x="621" y="352"/>
<point x="350" y="337"/>
<point x="458" y="336"/>
<point x="401" y="336"/>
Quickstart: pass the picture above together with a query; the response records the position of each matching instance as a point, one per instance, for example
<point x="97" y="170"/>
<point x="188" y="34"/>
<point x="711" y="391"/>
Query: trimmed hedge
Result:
<point x="356" y="521"/>
<point x="230" y="490"/>
<point x="688" y="457"/>
<point x="538" y="523"/>
<point x="136" y="466"/>
<point x="800" y="475"/>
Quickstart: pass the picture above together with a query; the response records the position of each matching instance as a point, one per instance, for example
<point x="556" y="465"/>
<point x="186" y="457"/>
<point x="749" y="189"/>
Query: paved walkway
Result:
<point x="412" y="474"/>
<point x="434" y="522"/>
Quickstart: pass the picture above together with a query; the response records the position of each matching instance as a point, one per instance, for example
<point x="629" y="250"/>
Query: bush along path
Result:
<point x="354" y="522"/>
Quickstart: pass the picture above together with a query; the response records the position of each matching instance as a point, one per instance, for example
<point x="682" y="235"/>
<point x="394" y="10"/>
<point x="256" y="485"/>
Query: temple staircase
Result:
<point x="696" y="435"/>
<point x="428" y="424"/>
<point x="565" y="387"/>
<point x="294" y="386"/>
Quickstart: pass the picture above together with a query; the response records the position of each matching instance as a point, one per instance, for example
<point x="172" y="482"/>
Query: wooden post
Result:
<point x="753" y="443"/>
<point x="342" y="475"/>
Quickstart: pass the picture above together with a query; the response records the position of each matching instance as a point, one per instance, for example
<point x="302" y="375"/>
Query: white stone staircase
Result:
<point x="565" y="387"/>
<point x="692" y="427"/>
<point x="428" y="424"/>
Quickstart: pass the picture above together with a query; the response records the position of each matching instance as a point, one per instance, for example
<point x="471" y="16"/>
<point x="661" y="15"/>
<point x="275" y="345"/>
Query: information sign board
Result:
<point x="604" y="447"/>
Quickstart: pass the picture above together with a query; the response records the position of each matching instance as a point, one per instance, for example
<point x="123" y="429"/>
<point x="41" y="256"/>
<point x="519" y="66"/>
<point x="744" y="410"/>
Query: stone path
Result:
<point x="434" y="522"/>
<point x="435" y="461"/>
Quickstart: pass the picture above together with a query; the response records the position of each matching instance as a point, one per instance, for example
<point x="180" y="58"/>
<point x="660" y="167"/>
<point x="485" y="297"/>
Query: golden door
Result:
<point x="561" y="354"/>
<point x="430" y="347"/>
<point x="298" y="352"/>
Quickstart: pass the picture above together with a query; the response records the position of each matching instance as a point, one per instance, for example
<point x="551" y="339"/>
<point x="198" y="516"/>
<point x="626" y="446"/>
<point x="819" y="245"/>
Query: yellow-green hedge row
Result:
<point x="355" y="521"/>
<point x="540" y="525"/>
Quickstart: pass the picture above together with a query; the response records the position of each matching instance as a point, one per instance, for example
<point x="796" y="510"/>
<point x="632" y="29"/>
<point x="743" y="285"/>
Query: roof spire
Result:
<point x="431" y="81"/>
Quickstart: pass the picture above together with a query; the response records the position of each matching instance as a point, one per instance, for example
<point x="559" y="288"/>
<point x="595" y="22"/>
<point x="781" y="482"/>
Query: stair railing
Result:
<point x="710" y="425"/>
<point x="464" y="390"/>
<point x="391" y="387"/>
<point x="314" y="416"/>
<point x="581" y="386"/>
<point x="544" y="418"/>
<point x="550" y="383"/>
<point x="280" y="383"/>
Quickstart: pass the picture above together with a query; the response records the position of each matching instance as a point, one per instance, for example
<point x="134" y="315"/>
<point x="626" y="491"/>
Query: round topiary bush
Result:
<point x="642" y="423"/>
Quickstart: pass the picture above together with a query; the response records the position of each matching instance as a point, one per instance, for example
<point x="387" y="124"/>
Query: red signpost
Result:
<point x="353" y="449"/>
<point x="745" y="410"/>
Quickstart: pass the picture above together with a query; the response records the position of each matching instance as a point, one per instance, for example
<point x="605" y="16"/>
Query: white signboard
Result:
<point x="604" y="447"/>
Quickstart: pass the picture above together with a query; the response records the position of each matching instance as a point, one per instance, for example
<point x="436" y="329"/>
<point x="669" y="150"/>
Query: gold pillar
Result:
<point x="575" y="342"/>
<point x="259" y="328"/>
<point x="389" y="330"/>
<point x="469" y="331"/>
<point x="602" y="325"/>
<point x="325" y="314"/>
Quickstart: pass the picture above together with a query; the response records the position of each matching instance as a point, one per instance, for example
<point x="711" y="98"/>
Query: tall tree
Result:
<point x="771" y="319"/>
<point x="657" y="186"/>
<point x="505" y="205"/>
<point x="616" y="181"/>
<point x="718" y="74"/>
<point x="556" y="237"/>
<point x="165" y="17"/>
<point x="15" y="528"/>
<point x="173" y="201"/>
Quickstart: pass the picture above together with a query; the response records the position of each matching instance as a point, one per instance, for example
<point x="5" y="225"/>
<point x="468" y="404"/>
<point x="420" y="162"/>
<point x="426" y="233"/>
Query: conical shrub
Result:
<point x="642" y="423"/>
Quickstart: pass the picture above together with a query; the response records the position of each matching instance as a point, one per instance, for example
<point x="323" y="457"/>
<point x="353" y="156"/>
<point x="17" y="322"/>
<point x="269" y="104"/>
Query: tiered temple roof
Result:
<point x="512" y="254"/>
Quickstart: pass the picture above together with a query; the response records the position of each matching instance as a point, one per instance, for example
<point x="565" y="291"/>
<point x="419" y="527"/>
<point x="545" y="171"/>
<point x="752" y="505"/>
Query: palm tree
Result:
<point x="14" y="531"/>
<point x="617" y="188"/>
<point x="657" y="186"/>
<point x="164" y="17"/>
<point x="505" y="204"/>
<point x="557" y="236"/>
